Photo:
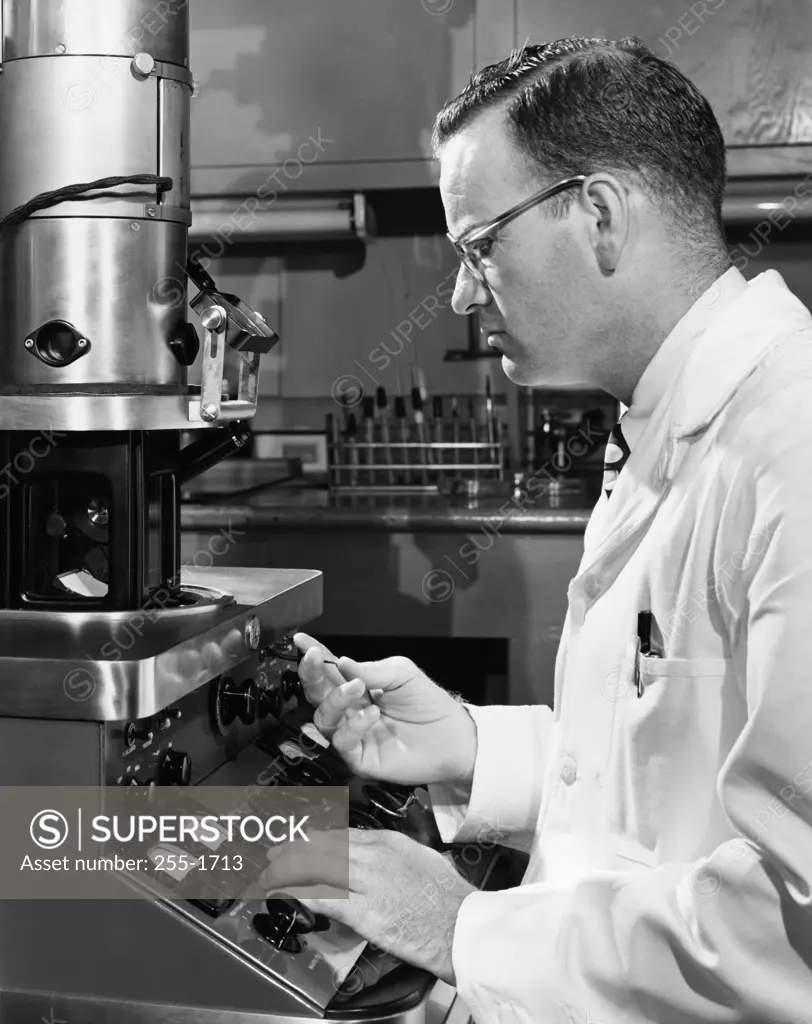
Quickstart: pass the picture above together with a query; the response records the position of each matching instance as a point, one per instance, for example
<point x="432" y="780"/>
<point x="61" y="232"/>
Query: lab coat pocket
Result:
<point x="666" y="737"/>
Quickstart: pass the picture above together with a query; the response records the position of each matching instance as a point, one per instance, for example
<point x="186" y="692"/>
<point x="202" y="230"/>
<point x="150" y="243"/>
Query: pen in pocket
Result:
<point x="645" y="623"/>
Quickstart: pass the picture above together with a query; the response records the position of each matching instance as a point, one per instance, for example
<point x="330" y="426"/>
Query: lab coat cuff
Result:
<point x="506" y="960"/>
<point x="505" y="795"/>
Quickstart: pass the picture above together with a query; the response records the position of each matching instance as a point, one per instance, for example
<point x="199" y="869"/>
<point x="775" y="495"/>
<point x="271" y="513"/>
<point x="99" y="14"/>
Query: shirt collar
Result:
<point x="663" y="370"/>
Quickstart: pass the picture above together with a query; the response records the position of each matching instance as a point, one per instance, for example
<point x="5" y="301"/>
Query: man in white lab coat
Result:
<point x="666" y="801"/>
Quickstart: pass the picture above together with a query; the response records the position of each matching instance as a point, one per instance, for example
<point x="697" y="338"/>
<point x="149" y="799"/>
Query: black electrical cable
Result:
<point x="76" y="192"/>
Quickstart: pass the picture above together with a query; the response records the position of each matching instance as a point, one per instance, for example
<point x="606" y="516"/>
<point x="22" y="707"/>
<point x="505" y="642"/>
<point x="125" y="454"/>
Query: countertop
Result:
<point x="314" y="509"/>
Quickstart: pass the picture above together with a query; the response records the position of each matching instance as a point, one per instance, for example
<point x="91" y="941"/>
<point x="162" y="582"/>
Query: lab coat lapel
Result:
<point x="724" y="357"/>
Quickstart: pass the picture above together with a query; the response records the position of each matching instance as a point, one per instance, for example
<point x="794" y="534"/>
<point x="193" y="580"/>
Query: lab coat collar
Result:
<point x="730" y="350"/>
<point x="722" y="359"/>
<point x="668" y="361"/>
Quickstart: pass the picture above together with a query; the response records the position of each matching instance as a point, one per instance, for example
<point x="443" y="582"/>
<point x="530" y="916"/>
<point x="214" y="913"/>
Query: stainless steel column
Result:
<point x="92" y="89"/>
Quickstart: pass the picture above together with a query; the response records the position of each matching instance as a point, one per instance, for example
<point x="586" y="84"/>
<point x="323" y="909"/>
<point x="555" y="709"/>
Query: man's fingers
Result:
<point x="313" y="896"/>
<point x="318" y="679"/>
<point x="353" y="727"/>
<point x="325" y="864"/>
<point x="352" y="694"/>
<point x="305" y="643"/>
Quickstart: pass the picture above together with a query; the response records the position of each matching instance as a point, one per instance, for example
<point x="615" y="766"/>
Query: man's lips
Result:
<point x="494" y="337"/>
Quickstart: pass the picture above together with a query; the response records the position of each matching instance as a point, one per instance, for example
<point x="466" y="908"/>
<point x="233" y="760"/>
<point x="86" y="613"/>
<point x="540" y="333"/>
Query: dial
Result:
<point x="176" y="769"/>
<point x="277" y="931"/>
<point x="270" y="703"/>
<point x="232" y="700"/>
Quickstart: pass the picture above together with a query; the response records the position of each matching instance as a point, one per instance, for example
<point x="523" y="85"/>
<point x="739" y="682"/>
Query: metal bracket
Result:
<point x="212" y="407"/>
<point x="251" y="337"/>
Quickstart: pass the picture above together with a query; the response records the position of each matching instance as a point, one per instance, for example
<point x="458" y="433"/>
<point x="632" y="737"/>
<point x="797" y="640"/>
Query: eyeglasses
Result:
<point x="469" y="246"/>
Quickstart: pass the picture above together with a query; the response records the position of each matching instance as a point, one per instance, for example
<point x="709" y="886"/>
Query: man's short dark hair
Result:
<point x="579" y="106"/>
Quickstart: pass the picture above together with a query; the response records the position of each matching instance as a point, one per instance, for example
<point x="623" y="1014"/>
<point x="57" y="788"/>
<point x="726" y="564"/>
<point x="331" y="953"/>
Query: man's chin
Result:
<point x="533" y="376"/>
<point x="519" y="374"/>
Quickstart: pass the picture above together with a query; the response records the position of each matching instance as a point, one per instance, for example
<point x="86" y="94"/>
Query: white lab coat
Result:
<point x="670" y="878"/>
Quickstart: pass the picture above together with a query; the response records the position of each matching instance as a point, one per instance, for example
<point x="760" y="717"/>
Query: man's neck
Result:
<point x="655" y="316"/>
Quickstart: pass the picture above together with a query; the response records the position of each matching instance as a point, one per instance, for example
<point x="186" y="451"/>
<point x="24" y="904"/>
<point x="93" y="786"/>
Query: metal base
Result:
<point x="114" y="666"/>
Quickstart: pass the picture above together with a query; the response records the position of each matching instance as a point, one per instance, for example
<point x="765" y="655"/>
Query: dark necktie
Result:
<point x="615" y="458"/>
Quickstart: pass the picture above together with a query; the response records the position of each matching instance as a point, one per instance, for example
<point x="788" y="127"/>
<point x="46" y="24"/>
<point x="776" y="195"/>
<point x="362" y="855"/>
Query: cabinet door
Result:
<point x="750" y="58"/>
<point x="365" y="78"/>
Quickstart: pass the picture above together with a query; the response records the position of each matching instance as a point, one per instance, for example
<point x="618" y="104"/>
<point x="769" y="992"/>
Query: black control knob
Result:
<point x="55" y="525"/>
<point x="136" y="732"/>
<point x="175" y="770"/>
<point x="166" y="718"/>
<point x="294" y="915"/>
<point x="270" y="703"/>
<point x="284" y="648"/>
<point x="291" y="684"/>
<point x="276" y="931"/>
<point x="238" y="700"/>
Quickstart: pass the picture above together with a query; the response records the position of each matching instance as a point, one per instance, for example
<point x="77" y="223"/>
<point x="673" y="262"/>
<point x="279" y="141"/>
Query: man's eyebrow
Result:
<point x="476" y="226"/>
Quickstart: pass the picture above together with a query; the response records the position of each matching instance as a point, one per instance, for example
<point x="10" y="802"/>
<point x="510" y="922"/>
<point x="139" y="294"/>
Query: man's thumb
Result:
<point x="376" y="675"/>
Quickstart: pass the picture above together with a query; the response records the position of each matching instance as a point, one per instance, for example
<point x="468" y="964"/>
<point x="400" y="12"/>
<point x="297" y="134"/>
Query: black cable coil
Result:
<point x="76" y="193"/>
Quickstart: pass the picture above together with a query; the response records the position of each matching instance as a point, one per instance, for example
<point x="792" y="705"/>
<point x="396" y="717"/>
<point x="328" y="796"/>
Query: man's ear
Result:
<point x="606" y="205"/>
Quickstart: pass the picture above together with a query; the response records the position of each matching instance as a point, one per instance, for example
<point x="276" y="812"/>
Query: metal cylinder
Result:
<point x="93" y="294"/>
<point x="42" y="28"/>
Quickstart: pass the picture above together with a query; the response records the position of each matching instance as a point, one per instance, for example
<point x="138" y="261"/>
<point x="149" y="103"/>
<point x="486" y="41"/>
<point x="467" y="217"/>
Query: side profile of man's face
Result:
<point x="536" y="305"/>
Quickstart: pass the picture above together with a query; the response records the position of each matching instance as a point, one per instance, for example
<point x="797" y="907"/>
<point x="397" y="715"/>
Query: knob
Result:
<point x="299" y="918"/>
<point x="296" y="917"/>
<point x="166" y="718"/>
<point x="270" y="703"/>
<point x="135" y="732"/>
<point x="238" y="701"/>
<point x="175" y="770"/>
<point x="284" y="648"/>
<point x="55" y="525"/>
<point x="277" y="932"/>
<point x="291" y="684"/>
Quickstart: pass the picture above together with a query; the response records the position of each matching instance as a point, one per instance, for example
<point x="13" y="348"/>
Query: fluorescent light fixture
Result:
<point x="230" y="219"/>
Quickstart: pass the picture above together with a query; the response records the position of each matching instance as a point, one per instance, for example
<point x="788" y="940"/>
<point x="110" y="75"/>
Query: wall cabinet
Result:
<point x="324" y="85"/>
<point x="750" y="58"/>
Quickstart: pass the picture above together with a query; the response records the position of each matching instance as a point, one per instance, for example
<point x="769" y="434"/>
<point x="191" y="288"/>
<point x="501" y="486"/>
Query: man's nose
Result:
<point x="470" y="294"/>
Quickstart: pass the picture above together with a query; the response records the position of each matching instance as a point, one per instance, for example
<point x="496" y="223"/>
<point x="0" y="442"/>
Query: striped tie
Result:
<point x="615" y="458"/>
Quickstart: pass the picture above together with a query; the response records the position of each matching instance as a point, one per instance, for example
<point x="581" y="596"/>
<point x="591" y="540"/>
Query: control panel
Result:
<point x="252" y="728"/>
<point x="187" y="741"/>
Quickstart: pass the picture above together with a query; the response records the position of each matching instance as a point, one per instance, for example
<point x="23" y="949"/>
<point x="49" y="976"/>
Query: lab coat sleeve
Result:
<point x="502" y="803"/>
<point x="726" y="939"/>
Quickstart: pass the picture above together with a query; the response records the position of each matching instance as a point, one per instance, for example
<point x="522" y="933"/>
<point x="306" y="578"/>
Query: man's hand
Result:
<point x="409" y="730"/>
<point x="404" y="897"/>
